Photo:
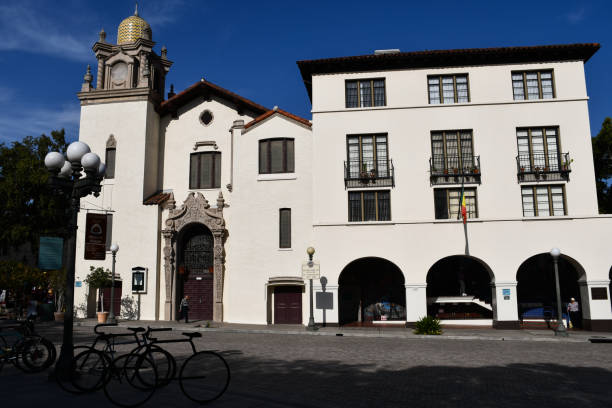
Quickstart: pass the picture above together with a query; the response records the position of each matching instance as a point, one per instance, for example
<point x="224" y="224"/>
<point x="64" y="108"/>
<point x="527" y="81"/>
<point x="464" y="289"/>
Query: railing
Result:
<point x="369" y="173"/>
<point x="445" y="169"/>
<point x="540" y="166"/>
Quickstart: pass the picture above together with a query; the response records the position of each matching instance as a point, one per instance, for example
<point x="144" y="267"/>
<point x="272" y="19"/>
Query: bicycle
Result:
<point x="203" y="377"/>
<point x="30" y="352"/>
<point x="90" y="365"/>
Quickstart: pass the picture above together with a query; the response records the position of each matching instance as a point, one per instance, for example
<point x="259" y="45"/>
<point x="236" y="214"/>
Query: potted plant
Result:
<point x="445" y="171"/>
<point x="565" y="166"/>
<point x="522" y="169"/>
<point x="455" y="170"/>
<point x="475" y="170"/>
<point x="364" y="172"/>
<point x="57" y="283"/>
<point x="98" y="279"/>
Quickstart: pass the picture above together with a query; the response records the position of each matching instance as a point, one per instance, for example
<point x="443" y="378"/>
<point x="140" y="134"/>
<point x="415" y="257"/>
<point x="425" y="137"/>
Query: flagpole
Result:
<point x="461" y="200"/>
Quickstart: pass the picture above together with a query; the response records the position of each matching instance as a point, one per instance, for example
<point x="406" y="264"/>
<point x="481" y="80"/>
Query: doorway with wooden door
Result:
<point x="195" y="271"/>
<point x="288" y="305"/>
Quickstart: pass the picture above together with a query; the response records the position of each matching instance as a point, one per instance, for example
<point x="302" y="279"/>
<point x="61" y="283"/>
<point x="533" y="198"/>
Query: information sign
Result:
<point x="311" y="270"/>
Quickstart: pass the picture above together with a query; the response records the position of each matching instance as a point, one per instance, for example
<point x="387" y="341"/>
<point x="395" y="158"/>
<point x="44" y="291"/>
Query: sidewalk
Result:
<point x="389" y="332"/>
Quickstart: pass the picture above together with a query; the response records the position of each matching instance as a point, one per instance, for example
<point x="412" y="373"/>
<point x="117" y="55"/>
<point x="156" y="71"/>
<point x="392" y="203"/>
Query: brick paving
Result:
<point x="281" y="370"/>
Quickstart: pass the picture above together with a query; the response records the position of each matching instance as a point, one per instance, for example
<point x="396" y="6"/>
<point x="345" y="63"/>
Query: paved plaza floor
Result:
<point x="279" y="368"/>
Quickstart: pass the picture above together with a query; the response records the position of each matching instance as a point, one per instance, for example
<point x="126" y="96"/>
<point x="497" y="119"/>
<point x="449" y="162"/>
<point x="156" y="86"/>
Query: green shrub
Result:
<point x="428" y="325"/>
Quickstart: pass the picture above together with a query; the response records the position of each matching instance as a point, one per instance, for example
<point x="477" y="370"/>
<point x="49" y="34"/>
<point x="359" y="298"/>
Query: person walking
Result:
<point x="573" y="309"/>
<point x="184" y="308"/>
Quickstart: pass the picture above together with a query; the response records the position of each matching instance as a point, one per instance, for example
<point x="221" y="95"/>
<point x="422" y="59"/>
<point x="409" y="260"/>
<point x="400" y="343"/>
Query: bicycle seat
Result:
<point x="136" y="329"/>
<point x="192" y="334"/>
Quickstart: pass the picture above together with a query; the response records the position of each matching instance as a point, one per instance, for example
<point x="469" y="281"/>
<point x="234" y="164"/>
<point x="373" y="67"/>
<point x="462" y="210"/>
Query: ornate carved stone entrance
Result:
<point x="195" y="209"/>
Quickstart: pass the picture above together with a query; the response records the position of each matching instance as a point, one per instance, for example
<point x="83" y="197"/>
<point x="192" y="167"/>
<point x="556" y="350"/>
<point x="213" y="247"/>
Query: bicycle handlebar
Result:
<point x="103" y="325"/>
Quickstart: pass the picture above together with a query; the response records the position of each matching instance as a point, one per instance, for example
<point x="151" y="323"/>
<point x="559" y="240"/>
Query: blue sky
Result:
<point x="251" y="47"/>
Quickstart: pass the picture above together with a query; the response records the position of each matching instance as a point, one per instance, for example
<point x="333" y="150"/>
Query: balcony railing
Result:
<point x="368" y="173"/>
<point x="540" y="166"/>
<point x="454" y="169"/>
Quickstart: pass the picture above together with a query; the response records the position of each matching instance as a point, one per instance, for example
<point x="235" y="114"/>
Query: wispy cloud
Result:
<point x="6" y="94"/>
<point x="18" y="123"/>
<point x="158" y="13"/>
<point x="576" y="16"/>
<point x="24" y="28"/>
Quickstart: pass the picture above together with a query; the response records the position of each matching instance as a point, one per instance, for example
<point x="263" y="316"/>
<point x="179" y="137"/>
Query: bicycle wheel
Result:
<point x="165" y="364"/>
<point x="89" y="372"/>
<point x="204" y="377"/>
<point x="128" y="379"/>
<point x="37" y="354"/>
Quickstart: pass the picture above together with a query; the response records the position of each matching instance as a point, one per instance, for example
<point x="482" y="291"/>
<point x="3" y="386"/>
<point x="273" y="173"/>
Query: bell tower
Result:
<point x="130" y="67"/>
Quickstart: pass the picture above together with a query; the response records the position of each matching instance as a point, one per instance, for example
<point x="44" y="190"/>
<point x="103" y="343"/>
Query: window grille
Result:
<point x="532" y="85"/>
<point x="447" y="203"/>
<point x="369" y="206"/>
<point x="365" y="93"/>
<point x="448" y="89"/>
<point x="542" y="201"/>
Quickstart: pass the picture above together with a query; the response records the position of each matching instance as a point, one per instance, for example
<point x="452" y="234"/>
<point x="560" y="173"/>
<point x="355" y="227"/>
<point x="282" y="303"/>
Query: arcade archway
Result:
<point x="459" y="288"/>
<point x="536" y="289"/>
<point x="371" y="291"/>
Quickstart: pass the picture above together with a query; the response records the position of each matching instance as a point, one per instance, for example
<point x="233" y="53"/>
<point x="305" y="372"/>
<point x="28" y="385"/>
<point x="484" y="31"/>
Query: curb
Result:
<point x="362" y="334"/>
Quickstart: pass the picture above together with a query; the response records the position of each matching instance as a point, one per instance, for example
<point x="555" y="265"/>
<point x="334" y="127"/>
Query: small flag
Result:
<point x="463" y="208"/>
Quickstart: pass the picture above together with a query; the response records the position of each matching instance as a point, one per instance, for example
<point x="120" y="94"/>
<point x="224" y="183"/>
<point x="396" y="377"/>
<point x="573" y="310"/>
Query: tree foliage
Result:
<point x="29" y="208"/>
<point x="602" y="156"/>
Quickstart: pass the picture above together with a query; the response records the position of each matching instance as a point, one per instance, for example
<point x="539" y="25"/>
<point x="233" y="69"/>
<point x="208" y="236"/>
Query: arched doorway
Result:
<point x="536" y="289"/>
<point x="371" y="290"/>
<point x="196" y="270"/>
<point x="459" y="290"/>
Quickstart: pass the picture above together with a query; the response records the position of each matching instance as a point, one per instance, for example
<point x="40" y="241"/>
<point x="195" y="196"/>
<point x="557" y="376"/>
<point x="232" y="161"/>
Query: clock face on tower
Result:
<point x="119" y="72"/>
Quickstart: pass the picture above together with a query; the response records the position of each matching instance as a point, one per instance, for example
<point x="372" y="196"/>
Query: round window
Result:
<point x="206" y="117"/>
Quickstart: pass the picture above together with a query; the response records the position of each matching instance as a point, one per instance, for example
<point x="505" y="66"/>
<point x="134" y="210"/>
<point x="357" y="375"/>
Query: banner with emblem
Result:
<point x="95" y="236"/>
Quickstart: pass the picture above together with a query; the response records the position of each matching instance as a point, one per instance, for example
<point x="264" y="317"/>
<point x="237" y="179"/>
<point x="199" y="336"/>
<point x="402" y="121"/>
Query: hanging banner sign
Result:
<point x="50" y="253"/>
<point x="95" y="236"/>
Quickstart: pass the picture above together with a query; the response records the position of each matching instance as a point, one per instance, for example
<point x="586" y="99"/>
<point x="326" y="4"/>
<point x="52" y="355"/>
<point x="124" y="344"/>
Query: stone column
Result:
<point x="100" y="74"/>
<point x="595" y="305"/>
<point x="416" y="302"/>
<point x="505" y="306"/>
<point x="168" y="272"/>
<point x="218" y="276"/>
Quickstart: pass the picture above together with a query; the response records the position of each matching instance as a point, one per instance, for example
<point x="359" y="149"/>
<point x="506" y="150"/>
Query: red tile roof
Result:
<point x="445" y="58"/>
<point x="207" y="89"/>
<point x="157" y="198"/>
<point x="281" y="112"/>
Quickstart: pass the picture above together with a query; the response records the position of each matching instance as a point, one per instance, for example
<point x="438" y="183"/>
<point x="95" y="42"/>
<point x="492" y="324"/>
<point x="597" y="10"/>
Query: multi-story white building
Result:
<point x="218" y="197"/>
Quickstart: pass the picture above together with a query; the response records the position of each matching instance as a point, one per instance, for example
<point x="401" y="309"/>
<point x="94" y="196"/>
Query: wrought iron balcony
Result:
<point x="540" y="166"/>
<point x="368" y="173"/>
<point x="454" y="169"/>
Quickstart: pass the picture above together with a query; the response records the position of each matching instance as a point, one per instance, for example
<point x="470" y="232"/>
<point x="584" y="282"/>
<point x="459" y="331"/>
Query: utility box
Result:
<point x="139" y="279"/>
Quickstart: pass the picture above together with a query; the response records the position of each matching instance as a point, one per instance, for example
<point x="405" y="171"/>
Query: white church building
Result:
<point x="216" y="197"/>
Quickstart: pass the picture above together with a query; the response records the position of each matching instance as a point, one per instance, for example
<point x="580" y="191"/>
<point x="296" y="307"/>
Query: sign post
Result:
<point x="311" y="270"/>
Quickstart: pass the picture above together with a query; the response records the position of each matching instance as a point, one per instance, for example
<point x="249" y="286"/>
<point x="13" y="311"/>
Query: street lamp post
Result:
<point x="65" y="178"/>
<point x="560" y="330"/>
<point x="311" y="323"/>
<point x="111" y="314"/>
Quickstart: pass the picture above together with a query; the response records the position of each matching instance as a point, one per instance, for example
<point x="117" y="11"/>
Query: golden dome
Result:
<point x="133" y="28"/>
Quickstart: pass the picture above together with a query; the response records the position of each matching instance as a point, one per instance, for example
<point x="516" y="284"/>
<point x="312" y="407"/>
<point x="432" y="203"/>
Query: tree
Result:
<point x="99" y="278"/>
<point x="28" y="207"/>
<point x="602" y="156"/>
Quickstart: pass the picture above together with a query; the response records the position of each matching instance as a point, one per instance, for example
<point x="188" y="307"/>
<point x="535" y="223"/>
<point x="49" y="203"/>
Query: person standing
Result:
<point x="573" y="309"/>
<point x="184" y="308"/>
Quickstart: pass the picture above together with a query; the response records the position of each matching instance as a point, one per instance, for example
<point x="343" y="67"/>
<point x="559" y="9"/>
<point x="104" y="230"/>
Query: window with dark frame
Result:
<point x="366" y="154"/>
<point x="110" y="162"/>
<point x="543" y="201"/>
<point x="532" y="85"/>
<point x="448" y="89"/>
<point x="538" y="148"/>
<point x="205" y="170"/>
<point x="109" y="231"/>
<point x="363" y="93"/>
<point x="276" y="156"/>
<point x="447" y="203"/>
<point x="284" y="228"/>
<point x="452" y="149"/>
<point x="369" y="205"/>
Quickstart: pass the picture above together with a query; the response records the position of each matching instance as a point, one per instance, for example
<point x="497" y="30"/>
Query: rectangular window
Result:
<point x="532" y="85"/>
<point x="538" y="149"/>
<point x="543" y="201"/>
<point x="452" y="149"/>
<point x="447" y="203"/>
<point x="285" y="228"/>
<point x="110" y="163"/>
<point x="369" y="206"/>
<point x="365" y="93"/>
<point x="205" y="170"/>
<point x="448" y="89"/>
<point x="276" y="156"/>
<point x="367" y="154"/>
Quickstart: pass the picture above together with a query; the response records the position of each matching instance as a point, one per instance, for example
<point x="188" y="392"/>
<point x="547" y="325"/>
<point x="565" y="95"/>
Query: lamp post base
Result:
<point x="111" y="320"/>
<point x="561" y="331"/>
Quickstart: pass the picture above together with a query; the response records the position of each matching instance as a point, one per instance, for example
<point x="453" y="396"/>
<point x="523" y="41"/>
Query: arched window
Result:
<point x="111" y="149"/>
